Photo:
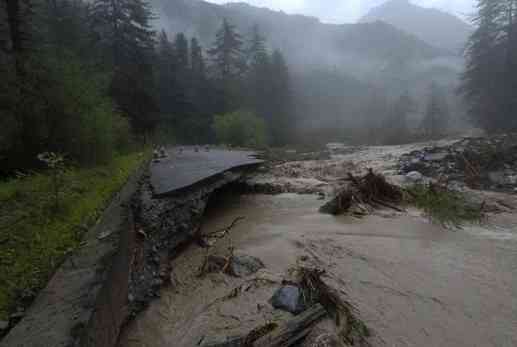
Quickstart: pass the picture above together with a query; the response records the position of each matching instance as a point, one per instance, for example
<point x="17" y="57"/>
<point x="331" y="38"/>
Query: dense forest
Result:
<point x="490" y="80"/>
<point x="89" y="80"/>
<point x="93" y="79"/>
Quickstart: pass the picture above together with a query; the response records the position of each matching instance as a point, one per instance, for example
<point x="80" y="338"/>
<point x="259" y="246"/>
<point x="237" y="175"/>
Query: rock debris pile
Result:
<point x="481" y="163"/>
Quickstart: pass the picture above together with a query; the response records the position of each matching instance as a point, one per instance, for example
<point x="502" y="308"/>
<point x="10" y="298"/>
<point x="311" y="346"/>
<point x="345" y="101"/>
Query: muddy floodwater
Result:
<point x="414" y="283"/>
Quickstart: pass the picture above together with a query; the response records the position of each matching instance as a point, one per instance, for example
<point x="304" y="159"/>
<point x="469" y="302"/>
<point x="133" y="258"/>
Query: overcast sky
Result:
<point x="347" y="11"/>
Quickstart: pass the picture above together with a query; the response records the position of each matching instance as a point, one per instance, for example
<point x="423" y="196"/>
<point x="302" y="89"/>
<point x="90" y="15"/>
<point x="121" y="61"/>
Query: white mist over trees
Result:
<point x="335" y="69"/>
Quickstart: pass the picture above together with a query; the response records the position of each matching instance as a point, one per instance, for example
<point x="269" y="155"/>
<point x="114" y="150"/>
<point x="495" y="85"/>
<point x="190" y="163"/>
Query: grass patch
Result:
<point x="35" y="238"/>
<point x="444" y="206"/>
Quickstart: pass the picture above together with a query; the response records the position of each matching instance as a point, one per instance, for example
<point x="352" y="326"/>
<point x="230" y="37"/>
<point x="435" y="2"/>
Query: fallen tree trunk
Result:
<point x="271" y="335"/>
<point x="293" y="330"/>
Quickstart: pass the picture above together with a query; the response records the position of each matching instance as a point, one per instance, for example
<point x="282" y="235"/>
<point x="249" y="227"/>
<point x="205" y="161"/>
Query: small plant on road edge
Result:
<point x="56" y="164"/>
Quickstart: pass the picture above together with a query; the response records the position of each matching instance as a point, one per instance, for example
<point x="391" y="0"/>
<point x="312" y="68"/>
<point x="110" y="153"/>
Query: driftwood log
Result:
<point x="293" y="330"/>
<point x="283" y="335"/>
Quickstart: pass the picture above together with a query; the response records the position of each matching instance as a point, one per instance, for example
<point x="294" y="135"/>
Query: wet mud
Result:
<point x="414" y="283"/>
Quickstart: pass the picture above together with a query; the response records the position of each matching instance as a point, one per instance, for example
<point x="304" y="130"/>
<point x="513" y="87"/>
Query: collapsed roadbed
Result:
<point x="120" y="266"/>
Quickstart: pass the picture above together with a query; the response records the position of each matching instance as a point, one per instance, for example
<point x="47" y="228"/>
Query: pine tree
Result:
<point x="123" y="28"/>
<point x="181" y="49"/>
<point x="227" y="52"/>
<point x="166" y="80"/>
<point x="281" y="100"/>
<point x="259" y="76"/>
<point x="489" y="81"/>
<point x="256" y="51"/>
<point x="197" y="61"/>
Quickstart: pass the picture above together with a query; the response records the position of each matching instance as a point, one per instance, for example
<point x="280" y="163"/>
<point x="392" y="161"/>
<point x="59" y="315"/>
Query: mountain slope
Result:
<point x="438" y="28"/>
<point x="305" y="40"/>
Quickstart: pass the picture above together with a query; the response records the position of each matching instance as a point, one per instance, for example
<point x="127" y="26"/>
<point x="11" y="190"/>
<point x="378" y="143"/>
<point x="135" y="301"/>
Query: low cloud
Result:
<point x="349" y="11"/>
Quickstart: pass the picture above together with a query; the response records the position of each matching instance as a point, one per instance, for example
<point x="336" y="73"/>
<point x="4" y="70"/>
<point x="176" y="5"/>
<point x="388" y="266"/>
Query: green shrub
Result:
<point x="240" y="128"/>
<point x="34" y="240"/>
<point x="444" y="206"/>
<point x="61" y="105"/>
<point x="89" y="128"/>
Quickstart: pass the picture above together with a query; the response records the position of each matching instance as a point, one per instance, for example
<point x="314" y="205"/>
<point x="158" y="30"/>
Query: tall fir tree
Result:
<point x="229" y="64"/>
<point x="259" y="77"/>
<point x="123" y="27"/>
<point x="489" y="82"/>
<point x="227" y="52"/>
<point x="181" y="47"/>
<point x="281" y="100"/>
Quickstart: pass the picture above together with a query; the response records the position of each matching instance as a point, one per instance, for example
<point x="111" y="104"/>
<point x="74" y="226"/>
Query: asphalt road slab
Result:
<point x="184" y="167"/>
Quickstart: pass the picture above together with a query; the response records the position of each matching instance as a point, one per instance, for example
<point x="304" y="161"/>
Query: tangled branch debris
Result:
<point x="365" y="193"/>
<point x="352" y="330"/>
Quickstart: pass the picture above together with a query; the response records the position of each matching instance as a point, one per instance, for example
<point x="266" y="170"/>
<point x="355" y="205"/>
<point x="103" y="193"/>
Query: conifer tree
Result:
<point x="229" y="65"/>
<point x="123" y="27"/>
<point x="259" y="76"/>
<point x="227" y="52"/>
<point x="181" y="50"/>
<point x="489" y="81"/>
<point x="281" y="100"/>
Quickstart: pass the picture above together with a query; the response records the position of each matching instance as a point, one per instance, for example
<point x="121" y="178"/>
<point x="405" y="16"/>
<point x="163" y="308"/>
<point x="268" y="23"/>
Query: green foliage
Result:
<point x="490" y="77"/>
<point x="33" y="239"/>
<point x="444" y="206"/>
<point x="241" y="128"/>
<point x="86" y="126"/>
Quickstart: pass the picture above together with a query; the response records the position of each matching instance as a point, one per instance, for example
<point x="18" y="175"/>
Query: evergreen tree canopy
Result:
<point x="490" y="78"/>
<point x="227" y="52"/>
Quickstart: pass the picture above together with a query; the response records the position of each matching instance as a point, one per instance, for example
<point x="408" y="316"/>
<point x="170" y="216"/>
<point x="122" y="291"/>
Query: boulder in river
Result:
<point x="415" y="177"/>
<point x="245" y="265"/>
<point x="289" y="298"/>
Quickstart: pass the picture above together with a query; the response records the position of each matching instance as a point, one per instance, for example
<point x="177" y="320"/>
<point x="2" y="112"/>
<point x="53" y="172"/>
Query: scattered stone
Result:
<point x="498" y="177"/>
<point x="245" y="265"/>
<point x="288" y="298"/>
<point x="436" y="156"/>
<point x="481" y="163"/>
<point x="414" y="177"/>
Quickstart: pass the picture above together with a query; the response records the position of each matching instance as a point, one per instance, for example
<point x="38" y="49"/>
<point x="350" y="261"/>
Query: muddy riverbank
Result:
<point x="414" y="283"/>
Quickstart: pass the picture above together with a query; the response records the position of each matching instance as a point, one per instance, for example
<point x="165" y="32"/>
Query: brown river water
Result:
<point x="414" y="283"/>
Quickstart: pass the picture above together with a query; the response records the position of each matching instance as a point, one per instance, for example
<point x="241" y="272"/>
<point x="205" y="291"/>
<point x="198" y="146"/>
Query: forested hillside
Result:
<point x="90" y="80"/>
<point x="335" y="68"/>
<point x="450" y="34"/>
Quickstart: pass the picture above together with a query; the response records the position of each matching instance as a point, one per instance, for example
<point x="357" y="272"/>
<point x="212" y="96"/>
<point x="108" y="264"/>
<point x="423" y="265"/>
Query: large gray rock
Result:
<point x="497" y="177"/>
<point x="288" y="298"/>
<point x="245" y="265"/>
<point x="436" y="156"/>
<point x="415" y="177"/>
